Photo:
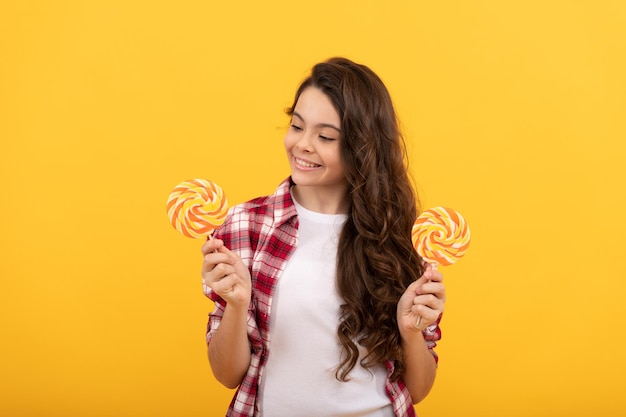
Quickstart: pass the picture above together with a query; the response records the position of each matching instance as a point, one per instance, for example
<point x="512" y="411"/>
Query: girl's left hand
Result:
<point x="424" y="298"/>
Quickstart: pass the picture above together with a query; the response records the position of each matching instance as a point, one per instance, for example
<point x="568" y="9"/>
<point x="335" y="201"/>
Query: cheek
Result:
<point x="288" y="141"/>
<point x="337" y="161"/>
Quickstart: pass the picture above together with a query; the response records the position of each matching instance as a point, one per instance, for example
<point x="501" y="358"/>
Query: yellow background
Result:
<point x="514" y="113"/>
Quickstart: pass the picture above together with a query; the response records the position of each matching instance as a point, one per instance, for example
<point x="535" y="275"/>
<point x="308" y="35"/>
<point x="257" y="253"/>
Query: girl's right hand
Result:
<point x="225" y="273"/>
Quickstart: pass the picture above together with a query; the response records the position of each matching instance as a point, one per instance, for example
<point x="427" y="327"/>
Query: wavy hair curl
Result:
<point x="376" y="261"/>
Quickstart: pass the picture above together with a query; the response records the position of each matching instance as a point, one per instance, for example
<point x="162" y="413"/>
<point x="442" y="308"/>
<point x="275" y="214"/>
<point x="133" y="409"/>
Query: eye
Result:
<point x="296" y="127"/>
<point x="326" y="138"/>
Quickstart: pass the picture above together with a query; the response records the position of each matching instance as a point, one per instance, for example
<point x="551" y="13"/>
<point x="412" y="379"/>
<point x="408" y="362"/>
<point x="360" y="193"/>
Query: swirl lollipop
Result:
<point x="440" y="236"/>
<point x="197" y="207"/>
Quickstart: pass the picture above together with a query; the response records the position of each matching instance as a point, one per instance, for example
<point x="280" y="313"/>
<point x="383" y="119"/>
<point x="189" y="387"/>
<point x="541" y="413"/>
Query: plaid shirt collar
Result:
<point x="281" y="201"/>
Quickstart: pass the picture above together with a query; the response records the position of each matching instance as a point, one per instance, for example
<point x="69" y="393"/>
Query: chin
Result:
<point x="298" y="180"/>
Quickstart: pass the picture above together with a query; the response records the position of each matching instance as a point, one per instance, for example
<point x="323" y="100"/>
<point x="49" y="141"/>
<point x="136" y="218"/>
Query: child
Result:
<point x="322" y="306"/>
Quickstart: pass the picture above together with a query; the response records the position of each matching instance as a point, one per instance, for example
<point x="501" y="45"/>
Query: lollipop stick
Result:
<point x="433" y="266"/>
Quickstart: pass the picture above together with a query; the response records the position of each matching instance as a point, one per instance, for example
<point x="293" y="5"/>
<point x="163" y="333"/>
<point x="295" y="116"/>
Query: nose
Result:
<point x="305" y="142"/>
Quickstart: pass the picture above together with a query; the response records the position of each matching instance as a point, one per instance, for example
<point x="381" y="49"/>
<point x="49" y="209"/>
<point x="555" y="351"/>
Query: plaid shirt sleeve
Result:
<point x="236" y="236"/>
<point x="397" y="391"/>
<point x="263" y="232"/>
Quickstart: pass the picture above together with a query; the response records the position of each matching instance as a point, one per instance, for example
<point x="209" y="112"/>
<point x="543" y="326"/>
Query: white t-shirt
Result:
<point x="299" y="378"/>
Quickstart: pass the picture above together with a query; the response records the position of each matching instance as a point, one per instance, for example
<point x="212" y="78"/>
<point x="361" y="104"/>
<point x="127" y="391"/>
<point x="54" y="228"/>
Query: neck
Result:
<point x="326" y="201"/>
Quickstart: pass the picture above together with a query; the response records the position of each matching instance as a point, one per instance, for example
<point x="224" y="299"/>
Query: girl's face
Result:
<point x="312" y="143"/>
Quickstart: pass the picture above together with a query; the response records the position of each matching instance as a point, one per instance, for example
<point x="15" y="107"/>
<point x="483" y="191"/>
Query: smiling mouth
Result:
<point x="305" y="164"/>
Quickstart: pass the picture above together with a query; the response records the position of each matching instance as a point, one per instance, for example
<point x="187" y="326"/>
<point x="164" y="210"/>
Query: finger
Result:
<point x="212" y="259"/>
<point x="211" y="245"/>
<point x="432" y="274"/>
<point x="224" y="285"/>
<point x="222" y="269"/>
<point x="425" y="277"/>
<point x="435" y="299"/>
<point x="413" y="287"/>
<point x="436" y="288"/>
<point x="426" y="317"/>
<point x="218" y="271"/>
<point x="232" y="256"/>
<point x="428" y="305"/>
<point x="428" y="300"/>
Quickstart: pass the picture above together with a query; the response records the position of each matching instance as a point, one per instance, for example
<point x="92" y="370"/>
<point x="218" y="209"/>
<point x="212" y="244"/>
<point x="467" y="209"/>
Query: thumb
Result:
<point x="413" y="288"/>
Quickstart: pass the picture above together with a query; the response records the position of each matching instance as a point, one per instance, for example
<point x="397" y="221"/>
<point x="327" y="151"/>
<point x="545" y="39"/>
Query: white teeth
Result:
<point x="305" y="164"/>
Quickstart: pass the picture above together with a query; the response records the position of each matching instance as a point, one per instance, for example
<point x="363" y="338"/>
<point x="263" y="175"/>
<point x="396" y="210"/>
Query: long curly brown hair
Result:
<point x="376" y="260"/>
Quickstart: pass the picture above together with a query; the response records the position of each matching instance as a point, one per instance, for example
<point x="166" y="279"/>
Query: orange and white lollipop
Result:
<point x="197" y="207"/>
<point x="440" y="236"/>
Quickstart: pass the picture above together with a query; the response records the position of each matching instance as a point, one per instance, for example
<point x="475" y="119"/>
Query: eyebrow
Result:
<point x="319" y="124"/>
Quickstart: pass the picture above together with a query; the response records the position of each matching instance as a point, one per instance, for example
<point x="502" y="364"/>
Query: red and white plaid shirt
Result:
<point x="264" y="232"/>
